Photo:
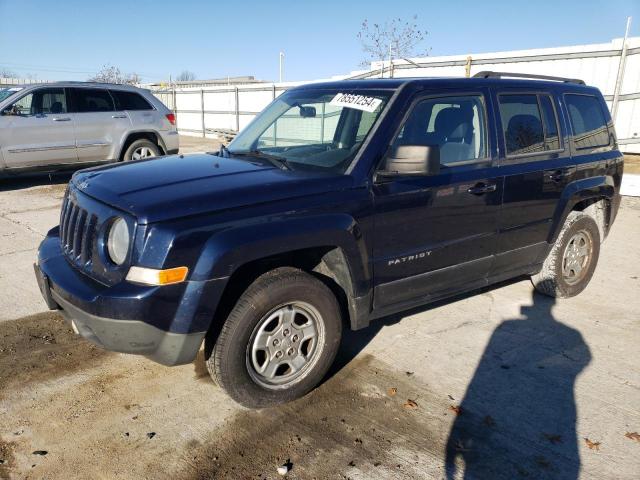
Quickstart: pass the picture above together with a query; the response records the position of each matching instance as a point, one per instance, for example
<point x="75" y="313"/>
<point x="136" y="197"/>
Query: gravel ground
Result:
<point x="507" y="382"/>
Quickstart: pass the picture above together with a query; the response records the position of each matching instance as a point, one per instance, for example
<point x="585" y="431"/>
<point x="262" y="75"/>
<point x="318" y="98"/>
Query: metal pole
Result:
<point x="620" y="77"/>
<point x="281" y="66"/>
<point x="467" y="67"/>
<point x="237" y="110"/>
<point x="175" y="107"/>
<point x="322" y="124"/>
<point x="202" y="107"/>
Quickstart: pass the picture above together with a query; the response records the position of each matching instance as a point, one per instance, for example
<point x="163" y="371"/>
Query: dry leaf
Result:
<point x="410" y="404"/>
<point x="392" y="391"/>
<point x="489" y="421"/>
<point x="592" y="445"/>
<point x="457" y="409"/>
<point x="633" y="436"/>
<point x="554" y="439"/>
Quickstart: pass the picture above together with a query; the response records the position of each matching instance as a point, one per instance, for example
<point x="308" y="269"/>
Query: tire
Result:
<point x="558" y="277"/>
<point x="277" y="299"/>
<point x="142" y="146"/>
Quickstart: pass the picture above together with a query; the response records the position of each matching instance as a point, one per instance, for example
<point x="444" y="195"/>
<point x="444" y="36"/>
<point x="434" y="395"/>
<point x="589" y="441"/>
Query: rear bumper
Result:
<point x="165" y="324"/>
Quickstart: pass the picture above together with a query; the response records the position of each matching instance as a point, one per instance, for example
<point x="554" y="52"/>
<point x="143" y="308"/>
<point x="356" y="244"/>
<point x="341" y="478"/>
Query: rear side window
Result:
<point x="130" y="101"/>
<point x="587" y="121"/>
<point x="455" y="124"/>
<point x="522" y="124"/>
<point x="551" y="135"/>
<point x="92" y="100"/>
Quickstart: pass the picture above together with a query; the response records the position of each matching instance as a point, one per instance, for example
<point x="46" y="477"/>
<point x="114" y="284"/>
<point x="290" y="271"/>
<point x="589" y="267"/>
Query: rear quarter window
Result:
<point x="588" y="121"/>
<point x="130" y="101"/>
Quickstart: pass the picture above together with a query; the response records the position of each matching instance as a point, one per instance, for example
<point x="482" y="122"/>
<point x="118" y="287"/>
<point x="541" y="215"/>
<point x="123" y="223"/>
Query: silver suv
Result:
<point x="65" y="124"/>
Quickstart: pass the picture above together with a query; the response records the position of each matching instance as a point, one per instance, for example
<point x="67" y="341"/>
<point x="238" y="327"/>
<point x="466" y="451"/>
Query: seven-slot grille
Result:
<point x="77" y="231"/>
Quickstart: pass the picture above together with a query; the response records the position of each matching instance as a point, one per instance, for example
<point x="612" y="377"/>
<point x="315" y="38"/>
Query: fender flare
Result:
<point x="226" y="251"/>
<point x="575" y="192"/>
<point x="129" y="133"/>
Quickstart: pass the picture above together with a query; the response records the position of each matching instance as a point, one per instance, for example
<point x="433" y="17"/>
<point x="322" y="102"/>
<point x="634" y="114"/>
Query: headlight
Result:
<point x="118" y="241"/>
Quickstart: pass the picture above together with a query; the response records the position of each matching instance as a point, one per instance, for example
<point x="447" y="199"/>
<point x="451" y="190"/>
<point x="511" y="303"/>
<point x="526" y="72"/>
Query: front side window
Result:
<point x="41" y="102"/>
<point x="92" y="100"/>
<point x="455" y="124"/>
<point x="587" y="121"/>
<point x="313" y="129"/>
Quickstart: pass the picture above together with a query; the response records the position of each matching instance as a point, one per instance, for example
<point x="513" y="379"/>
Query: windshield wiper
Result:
<point x="275" y="160"/>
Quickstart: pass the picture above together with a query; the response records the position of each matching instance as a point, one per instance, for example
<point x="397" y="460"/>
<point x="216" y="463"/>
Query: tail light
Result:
<point x="171" y="117"/>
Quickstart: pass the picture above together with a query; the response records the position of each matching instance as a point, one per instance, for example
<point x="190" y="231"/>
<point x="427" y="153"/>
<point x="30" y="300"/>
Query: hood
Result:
<point x="175" y="186"/>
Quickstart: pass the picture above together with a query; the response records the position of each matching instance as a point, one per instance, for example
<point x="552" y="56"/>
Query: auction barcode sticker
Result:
<point x="359" y="102"/>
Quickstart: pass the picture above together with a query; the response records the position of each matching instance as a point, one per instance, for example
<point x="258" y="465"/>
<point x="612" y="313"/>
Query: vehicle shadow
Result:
<point x="11" y="183"/>
<point x="518" y="415"/>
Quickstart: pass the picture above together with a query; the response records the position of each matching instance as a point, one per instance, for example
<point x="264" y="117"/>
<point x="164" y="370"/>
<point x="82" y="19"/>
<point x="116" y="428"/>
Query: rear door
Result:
<point x="37" y="130"/>
<point x="99" y="128"/>
<point x="537" y="166"/>
<point x="138" y="109"/>
<point x="436" y="234"/>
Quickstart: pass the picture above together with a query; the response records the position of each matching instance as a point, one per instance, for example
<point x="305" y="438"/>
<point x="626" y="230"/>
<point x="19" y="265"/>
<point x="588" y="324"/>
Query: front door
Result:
<point x="436" y="234"/>
<point x="37" y="130"/>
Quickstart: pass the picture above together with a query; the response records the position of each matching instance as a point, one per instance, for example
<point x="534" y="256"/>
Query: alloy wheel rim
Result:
<point x="142" y="152"/>
<point x="577" y="256"/>
<point x="285" y="345"/>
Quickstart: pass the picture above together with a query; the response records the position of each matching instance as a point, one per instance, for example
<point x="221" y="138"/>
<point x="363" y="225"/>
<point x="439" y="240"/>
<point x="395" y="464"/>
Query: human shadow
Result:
<point x="518" y="415"/>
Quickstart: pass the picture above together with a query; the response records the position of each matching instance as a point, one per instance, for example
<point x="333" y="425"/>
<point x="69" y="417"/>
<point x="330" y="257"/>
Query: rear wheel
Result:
<point x="569" y="266"/>
<point x="141" y="149"/>
<point x="279" y="340"/>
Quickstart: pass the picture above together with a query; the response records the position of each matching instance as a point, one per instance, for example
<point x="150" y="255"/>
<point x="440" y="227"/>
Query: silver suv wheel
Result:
<point x="142" y="152"/>
<point x="285" y="344"/>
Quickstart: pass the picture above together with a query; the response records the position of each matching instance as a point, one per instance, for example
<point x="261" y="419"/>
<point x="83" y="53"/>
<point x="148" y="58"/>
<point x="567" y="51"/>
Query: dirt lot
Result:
<point x="510" y="383"/>
<point x="632" y="164"/>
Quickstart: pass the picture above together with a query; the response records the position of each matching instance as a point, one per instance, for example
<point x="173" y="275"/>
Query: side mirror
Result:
<point x="413" y="160"/>
<point x="307" y="112"/>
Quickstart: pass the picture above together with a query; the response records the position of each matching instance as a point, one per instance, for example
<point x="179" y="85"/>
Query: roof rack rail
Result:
<point x="490" y="74"/>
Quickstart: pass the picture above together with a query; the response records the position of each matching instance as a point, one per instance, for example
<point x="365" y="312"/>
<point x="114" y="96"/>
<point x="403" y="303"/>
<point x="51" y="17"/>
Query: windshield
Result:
<point x="312" y="129"/>
<point x="7" y="92"/>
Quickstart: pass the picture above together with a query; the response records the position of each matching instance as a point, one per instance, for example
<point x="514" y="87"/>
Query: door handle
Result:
<point x="118" y="116"/>
<point x="559" y="175"/>
<point x="62" y="119"/>
<point x="482" y="188"/>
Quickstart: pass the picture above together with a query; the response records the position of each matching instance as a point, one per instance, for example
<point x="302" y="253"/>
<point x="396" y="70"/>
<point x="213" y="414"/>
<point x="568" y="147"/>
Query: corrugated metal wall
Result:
<point x="231" y="108"/>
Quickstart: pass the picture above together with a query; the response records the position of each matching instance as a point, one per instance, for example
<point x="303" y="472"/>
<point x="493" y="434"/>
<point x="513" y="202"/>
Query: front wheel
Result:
<point x="572" y="260"/>
<point x="279" y="340"/>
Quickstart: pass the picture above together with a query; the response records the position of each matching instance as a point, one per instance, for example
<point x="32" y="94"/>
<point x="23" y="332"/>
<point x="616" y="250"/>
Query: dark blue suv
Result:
<point x="340" y="203"/>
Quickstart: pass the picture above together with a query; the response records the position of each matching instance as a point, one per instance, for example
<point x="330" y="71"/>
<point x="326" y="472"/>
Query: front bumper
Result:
<point x="128" y="318"/>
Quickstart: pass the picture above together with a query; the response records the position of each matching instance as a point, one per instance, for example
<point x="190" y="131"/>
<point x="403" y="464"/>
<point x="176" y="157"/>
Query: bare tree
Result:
<point x="186" y="76"/>
<point x="111" y="74"/>
<point x="397" y="38"/>
<point x="6" y="73"/>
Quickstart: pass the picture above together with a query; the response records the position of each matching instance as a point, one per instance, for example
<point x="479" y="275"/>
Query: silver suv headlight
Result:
<point x="118" y="241"/>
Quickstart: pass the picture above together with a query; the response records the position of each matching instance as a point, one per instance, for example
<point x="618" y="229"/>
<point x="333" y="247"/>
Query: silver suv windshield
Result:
<point x="312" y="129"/>
<point x="6" y="92"/>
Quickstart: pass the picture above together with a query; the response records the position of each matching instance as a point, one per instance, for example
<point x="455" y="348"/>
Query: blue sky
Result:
<point x="72" y="39"/>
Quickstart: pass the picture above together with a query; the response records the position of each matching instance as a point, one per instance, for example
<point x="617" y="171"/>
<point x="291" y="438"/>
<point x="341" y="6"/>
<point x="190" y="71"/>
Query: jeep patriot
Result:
<point x="340" y="203"/>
